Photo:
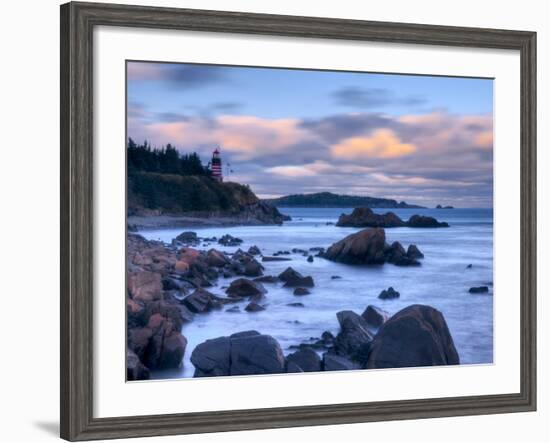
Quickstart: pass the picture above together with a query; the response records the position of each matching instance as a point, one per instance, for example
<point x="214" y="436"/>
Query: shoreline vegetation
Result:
<point x="170" y="284"/>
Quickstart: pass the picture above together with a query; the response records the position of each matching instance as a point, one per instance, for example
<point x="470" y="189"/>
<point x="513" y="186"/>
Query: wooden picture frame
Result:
<point x="77" y="23"/>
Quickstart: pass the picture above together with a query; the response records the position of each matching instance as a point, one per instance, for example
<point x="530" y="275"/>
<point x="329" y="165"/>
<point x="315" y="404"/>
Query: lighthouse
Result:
<point x="216" y="165"/>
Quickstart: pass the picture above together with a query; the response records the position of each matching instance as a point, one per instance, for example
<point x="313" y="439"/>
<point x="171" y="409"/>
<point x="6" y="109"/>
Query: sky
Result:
<point x="425" y="140"/>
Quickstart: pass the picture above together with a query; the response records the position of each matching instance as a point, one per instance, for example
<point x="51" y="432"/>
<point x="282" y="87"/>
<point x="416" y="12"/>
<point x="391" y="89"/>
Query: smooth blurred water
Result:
<point x="442" y="281"/>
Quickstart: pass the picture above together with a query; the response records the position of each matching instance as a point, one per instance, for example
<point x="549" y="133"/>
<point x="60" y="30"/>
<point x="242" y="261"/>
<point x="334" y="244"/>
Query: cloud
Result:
<point x="368" y="98"/>
<point x="383" y="143"/>
<point x="176" y="74"/>
<point x="434" y="157"/>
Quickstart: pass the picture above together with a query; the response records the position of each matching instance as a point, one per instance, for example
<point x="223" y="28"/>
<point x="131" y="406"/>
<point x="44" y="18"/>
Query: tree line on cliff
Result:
<point x="165" y="160"/>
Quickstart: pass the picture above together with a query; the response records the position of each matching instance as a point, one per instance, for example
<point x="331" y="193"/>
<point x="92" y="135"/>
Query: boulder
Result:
<point x="366" y="218"/>
<point x="229" y="240"/>
<point x="159" y="345"/>
<point x="201" y="301"/>
<point x="138" y="340"/>
<point x="267" y="279"/>
<point x="145" y="286"/>
<point x="333" y="362"/>
<point x="254" y="307"/>
<point x="310" y="259"/>
<point x="212" y="357"/>
<point x="375" y="317"/>
<point x="414" y="253"/>
<point x="423" y="221"/>
<point x="173" y="349"/>
<point x="397" y="255"/>
<point x="216" y="258"/>
<point x="135" y="313"/>
<point x="479" y="290"/>
<point x="296" y="305"/>
<point x="254" y="250"/>
<point x="301" y="291"/>
<point x="363" y="247"/>
<point x="354" y="333"/>
<point x="190" y="256"/>
<point x="256" y="354"/>
<point x="416" y="336"/>
<point x="306" y="359"/>
<point x="233" y="310"/>
<point x="293" y="368"/>
<point x="187" y="237"/>
<point x="243" y="287"/>
<point x="177" y="313"/>
<point x="253" y="269"/>
<point x="388" y="294"/>
<point x="293" y="279"/>
<point x="135" y="369"/>
<point x="181" y="266"/>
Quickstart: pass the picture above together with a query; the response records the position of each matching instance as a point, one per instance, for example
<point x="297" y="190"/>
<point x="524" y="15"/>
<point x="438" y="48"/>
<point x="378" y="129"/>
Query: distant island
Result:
<point x="330" y="200"/>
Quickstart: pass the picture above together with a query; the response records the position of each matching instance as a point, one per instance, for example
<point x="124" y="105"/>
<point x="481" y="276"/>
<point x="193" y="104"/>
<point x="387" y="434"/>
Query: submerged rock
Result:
<point x="229" y="240"/>
<point x="479" y="290"/>
<point x="254" y="307"/>
<point x="423" y="221"/>
<point x="389" y="293"/>
<point x="301" y="291"/>
<point x="416" y="336"/>
<point x="272" y="258"/>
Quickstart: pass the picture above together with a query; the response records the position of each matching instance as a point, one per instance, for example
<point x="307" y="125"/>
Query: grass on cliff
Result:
<point x="173" y="193"/>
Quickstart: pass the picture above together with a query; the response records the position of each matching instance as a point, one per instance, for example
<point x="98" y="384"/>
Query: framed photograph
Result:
<point x="272" y="221"/>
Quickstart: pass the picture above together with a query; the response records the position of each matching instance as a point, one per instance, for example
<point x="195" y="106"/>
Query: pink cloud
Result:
<point x="383" y="143"/>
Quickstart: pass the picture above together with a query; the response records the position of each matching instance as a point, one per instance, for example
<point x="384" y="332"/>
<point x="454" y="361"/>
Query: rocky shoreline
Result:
<point x="170" y="284"/>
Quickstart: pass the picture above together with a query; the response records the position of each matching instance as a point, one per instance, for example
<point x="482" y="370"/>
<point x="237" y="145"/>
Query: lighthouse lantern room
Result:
<point x="216" y="165"/>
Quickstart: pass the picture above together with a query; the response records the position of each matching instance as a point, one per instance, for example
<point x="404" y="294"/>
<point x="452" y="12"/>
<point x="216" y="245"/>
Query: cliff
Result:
<point x="152" y="193"/>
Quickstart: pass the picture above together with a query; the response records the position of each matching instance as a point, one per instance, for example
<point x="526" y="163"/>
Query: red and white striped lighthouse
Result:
<point x="216" y="165"/>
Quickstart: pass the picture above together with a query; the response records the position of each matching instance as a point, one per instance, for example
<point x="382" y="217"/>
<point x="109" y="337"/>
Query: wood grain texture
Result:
<point x="77" y="24"/>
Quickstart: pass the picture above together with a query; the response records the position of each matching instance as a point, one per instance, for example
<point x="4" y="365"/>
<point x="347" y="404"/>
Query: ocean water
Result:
<point x="442" y="281"/>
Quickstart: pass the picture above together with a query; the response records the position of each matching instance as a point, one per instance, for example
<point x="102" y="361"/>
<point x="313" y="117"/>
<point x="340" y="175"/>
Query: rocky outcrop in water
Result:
<point x="369" y="247"/>
<point x="366" y="218"/>
<point x="423" y="221"/>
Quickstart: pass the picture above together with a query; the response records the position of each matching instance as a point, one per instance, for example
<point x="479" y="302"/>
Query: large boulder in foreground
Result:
<point x="244" y="353"/>
<point x="306" y="359"/>
<point x="424" y="221"/>
<point x="354" y="334"/>
<point x="363" y="247"/>
<point x="416" y="336"/>
<point x="366" y="218"/>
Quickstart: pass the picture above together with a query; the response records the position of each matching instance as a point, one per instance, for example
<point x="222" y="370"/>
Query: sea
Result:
<point x="442" y="281"/>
